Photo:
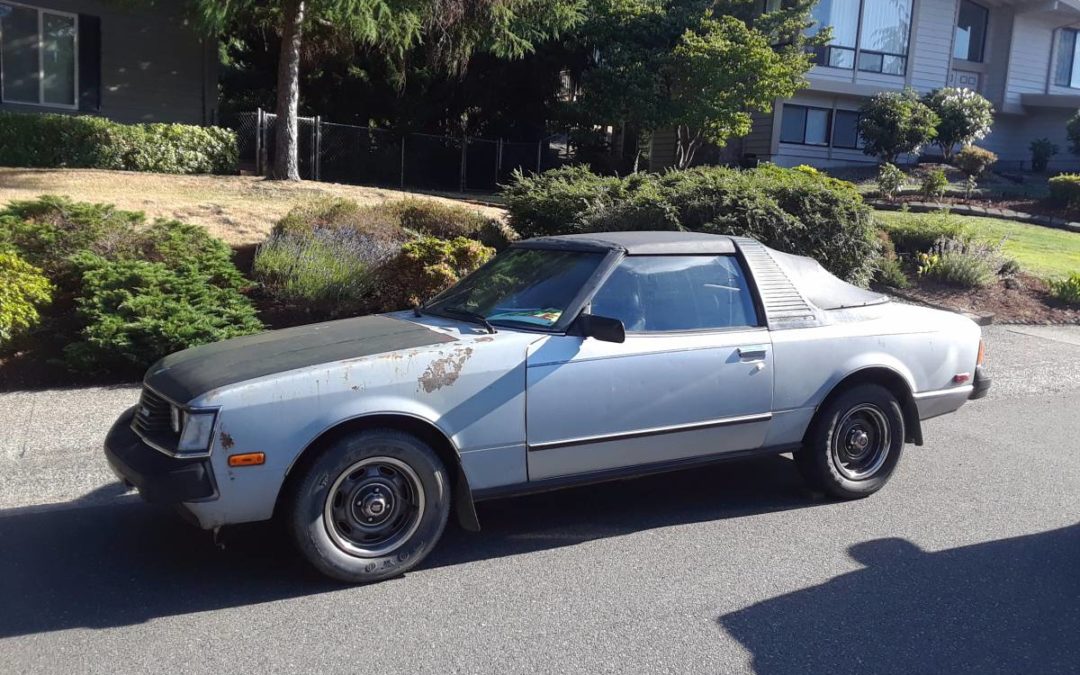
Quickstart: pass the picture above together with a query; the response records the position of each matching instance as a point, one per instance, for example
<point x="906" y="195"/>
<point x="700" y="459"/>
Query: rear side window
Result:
<point x="677" y="293"/>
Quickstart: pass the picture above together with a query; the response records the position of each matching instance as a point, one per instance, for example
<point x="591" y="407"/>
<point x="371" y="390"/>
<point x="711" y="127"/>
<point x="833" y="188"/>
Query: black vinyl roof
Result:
<point x="638" y="243"/>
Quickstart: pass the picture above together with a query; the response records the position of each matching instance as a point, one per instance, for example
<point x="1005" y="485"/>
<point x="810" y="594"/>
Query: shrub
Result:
<point x="555" y="201"/>
<point x="23" y="288"/>
<point x="390" y="221"/>
<point x="47" y="230"/>
<point x="724" y="201"/>
<point x="496" y="234"/>
<point x="1041" y="152"/>
<point x="328" y="273"/>
<point x="963" y="117"/>
<point x="89" y="252"/>
<point x="794" y="211"/>
<point x="895" y="123"/>
<point x="918" y="234"/>
<point x="889" y="271"/>
<point x="1067" y="290"/>
<point x="1065" y="190"/>
<point x="93" y="142"/>
<point x="645" y="205"/>
<point x="967" y="264"/>
<point x="426" y="267"/>
<point x="974" y="161"/>
<point x="933" y="184"/>
<point x="890" y="179"/>
<point x="1072" y="132"/>
<point x="135" y="311"/>
<point x="436" y="219"/>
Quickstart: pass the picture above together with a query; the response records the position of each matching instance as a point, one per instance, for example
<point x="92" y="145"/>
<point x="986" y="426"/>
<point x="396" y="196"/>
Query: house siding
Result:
<point x="931" y="44"/>
<point x="1029" y="60"/>
<point x="155" y="66"/>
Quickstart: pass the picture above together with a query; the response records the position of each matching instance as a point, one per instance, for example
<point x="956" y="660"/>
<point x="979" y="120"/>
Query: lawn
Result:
<point x="1042" y="251"/>
<point x="238" y="209"/>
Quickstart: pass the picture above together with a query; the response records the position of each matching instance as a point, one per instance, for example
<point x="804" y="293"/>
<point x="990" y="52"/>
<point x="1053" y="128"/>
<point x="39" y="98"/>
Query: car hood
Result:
<point x="188" y="374"/>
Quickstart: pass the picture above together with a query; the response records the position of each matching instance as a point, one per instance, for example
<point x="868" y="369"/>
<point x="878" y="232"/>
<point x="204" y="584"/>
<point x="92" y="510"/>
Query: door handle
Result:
<point x="753" y="352"/>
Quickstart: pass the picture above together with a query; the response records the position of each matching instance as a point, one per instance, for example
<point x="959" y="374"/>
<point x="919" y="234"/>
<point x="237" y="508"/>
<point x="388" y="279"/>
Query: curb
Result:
<point x="963" y="210"/>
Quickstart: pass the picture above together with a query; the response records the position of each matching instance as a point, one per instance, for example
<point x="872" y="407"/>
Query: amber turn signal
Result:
<point x="248" y="459"/>
<point x="982" y="353"/>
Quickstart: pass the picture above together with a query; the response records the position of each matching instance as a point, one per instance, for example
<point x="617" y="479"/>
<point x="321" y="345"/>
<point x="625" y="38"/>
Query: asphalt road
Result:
<point x="968" y="561"/>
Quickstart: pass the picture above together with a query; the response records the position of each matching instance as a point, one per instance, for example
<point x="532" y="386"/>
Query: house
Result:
<point x="1023" y="55"/>
<point x="131" y="61"/>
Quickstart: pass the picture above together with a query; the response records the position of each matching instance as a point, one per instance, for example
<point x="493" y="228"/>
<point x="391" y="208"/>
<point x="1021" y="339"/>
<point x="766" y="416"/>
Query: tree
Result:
<point x="699" y="66"/>
<point x="895" y="123"/>
<point x="963" y="117"/>
<point x="452" y="30"/>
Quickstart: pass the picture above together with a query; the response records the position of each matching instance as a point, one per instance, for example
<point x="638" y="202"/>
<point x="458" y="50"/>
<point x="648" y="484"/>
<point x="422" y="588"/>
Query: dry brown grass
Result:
<point x="238" y="209"/>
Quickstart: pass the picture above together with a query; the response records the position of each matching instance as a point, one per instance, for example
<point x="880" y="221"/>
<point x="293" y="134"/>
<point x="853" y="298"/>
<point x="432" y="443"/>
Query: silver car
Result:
<point x="564" y="360"/>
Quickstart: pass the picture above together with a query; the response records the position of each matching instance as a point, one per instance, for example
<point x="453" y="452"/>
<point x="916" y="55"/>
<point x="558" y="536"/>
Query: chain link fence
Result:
<point x="345" y="153"/>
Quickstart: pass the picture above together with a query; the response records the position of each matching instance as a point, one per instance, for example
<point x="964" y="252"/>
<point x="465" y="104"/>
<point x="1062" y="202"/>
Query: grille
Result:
<point x="152" y="421"/>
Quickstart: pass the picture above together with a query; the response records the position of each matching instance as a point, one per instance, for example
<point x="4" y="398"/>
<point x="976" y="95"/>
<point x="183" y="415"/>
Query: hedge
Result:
<point x="79" y="141"/>
<point x="795" y="211"/>
<point x="1065" y="189"/>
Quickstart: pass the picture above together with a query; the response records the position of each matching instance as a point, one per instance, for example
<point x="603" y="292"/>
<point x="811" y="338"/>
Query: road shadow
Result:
<point x="1007" y="606"/>
<point x="127" y="562"/>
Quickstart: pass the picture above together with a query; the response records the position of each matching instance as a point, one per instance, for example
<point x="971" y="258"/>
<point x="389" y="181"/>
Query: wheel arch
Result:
<point x="464" y="507"/>
<point x="892" y="380"/>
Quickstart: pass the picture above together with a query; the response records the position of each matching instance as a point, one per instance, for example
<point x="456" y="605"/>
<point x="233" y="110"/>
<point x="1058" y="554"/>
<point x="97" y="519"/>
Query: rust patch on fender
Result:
<point x="227" y="441"/>
<point x="445" y="371"/>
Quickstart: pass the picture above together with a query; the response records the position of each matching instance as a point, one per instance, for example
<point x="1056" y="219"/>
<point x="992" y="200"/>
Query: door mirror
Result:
<point x="602" y="328"/>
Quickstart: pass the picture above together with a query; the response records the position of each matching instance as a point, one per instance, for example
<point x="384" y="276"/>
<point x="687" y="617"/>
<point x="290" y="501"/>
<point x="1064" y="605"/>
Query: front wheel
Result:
<point x="371" y="506"/>
<point x="854" y="443"/>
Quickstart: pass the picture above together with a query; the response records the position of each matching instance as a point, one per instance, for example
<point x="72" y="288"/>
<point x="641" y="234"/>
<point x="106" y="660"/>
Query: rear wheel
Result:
<point x="855" y="443"/>
<point x="371" y="506"/>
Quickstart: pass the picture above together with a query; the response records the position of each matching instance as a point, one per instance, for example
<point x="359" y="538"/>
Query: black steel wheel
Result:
<point x="371" y="506"/>
<point x="854" y="442"/>
<point x="374" y="506"/>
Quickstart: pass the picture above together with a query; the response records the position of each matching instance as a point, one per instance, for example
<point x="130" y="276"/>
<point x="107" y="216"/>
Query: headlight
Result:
<point x="196" y="430"/>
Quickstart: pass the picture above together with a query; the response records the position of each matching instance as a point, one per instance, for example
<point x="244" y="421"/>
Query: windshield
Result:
<point x="523" y="286"/>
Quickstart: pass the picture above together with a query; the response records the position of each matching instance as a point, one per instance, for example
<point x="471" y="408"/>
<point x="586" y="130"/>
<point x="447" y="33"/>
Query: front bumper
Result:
<point x="981" y="383"/>
<point x="160" y="479"/>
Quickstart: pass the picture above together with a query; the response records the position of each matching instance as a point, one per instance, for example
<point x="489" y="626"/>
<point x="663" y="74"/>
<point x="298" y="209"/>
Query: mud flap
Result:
<point x="464" y="506"/>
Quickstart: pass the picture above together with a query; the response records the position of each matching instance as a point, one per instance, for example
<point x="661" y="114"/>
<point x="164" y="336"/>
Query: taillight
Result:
<point x="982" y="353"/>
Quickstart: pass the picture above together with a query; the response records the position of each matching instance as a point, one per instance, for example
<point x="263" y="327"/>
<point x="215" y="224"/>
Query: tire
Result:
<point x="371" y="506"/>
<point x="854" y="443"/>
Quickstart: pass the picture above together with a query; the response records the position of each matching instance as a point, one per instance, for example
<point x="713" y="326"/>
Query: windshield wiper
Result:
<point x="471" y="316"/>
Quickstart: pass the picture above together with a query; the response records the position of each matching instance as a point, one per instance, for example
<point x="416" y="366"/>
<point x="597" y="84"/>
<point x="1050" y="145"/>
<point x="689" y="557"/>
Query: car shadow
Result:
<point x="1006" y="606"/>
<point x="95" y="565"/>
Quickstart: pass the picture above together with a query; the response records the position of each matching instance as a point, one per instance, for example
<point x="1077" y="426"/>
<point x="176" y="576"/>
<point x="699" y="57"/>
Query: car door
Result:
<point x="693" y="378"/>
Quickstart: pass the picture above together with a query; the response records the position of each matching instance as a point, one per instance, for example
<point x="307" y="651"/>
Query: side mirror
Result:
<point x="602" y="328"/>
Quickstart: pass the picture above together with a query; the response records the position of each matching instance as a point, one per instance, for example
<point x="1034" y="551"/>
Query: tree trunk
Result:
<point x="687" y="147"/>
<point x="287" y="148"/>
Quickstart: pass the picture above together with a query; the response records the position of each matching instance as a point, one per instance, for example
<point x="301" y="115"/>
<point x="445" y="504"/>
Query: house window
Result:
<point x="805" y="125"/>
<point x="1066" y="74"/>
<point x="871" y="35"/>
<point x="846" y="130"/>
<point x="970" y="36"/>
<point x="39" y="52"/>
<point x="843" y="16"/>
